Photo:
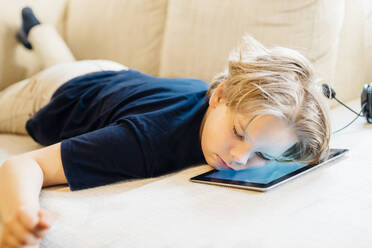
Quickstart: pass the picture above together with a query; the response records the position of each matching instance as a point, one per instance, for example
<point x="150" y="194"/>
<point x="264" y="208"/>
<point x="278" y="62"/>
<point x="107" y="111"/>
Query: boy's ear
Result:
<point x="218" y="95"/>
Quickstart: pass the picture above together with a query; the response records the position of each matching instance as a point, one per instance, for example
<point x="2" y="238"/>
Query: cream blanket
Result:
<point x="328" y="207"/>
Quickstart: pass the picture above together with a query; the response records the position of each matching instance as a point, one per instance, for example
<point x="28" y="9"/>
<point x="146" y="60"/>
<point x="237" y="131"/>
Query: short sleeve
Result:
<point x="101" y="157"/>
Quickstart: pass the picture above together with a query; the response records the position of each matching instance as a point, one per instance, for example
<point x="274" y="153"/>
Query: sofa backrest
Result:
<point x="199" y="34"/>
<point x="127" y="31"/>
<point x="192" y="38"/>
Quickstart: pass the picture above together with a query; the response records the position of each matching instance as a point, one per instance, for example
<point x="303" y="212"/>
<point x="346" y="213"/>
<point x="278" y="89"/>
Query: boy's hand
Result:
<point x="26" y="228"/>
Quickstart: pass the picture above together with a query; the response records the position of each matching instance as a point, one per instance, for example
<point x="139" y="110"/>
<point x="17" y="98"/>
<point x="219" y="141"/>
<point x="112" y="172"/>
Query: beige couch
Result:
<point x="192" y="38"/>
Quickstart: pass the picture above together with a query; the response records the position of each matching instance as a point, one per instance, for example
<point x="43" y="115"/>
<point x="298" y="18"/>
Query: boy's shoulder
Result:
<point x="182" y="84"/>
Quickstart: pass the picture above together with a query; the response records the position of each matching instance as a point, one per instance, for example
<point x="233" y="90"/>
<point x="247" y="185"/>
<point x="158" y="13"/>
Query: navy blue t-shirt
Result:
<point x="116" y="125"/>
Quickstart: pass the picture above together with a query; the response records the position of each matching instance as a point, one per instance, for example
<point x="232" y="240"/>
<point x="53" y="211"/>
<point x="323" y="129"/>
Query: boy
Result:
<point x="102" y="122"/>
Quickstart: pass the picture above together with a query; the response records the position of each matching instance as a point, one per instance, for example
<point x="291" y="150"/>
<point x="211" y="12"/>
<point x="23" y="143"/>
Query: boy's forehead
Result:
<point x="244" y="119"/>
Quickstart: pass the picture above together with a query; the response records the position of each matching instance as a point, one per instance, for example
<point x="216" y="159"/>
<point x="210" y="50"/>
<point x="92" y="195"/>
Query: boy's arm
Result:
<point x="22" y="176"/>
<point x="21" y="179"/>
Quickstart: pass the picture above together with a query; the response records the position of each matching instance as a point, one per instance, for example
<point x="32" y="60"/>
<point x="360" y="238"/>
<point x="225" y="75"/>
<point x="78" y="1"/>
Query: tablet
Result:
<point x="263" y="178"/>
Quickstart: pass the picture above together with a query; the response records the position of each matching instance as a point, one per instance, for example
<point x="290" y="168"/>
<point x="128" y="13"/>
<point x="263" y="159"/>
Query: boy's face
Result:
<point x="223" y="142"/>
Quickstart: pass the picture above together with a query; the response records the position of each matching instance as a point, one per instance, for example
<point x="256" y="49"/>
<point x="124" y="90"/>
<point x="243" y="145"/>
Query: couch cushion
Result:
<point x="199" y="34"/>
<point x="330" y="206"/>
<point x="368" y="39"/>
<point x="126" y="31"/>
<point x="353" y="52"/>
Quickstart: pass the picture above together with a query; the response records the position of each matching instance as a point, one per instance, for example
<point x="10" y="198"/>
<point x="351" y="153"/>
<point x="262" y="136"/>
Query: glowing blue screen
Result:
<point x="265" y="174"/>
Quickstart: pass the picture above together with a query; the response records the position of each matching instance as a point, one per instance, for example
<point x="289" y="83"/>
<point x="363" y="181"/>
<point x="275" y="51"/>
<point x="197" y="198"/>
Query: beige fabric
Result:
<point x="16" y="62"/>
<point x="126" y="31"/>
<point x="368" y="40"/>
<point x="354" y="59"/>
<point x="200" y="34"/>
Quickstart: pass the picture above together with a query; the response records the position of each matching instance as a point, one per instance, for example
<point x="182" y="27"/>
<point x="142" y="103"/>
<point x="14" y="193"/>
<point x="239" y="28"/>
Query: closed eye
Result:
<point x="260" y="155"/>
<point x="236" y="133"/>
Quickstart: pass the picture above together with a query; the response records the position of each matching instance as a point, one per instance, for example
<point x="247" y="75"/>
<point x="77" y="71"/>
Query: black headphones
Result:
<point x="366" y="98"/>
<point x="366" y="102"/>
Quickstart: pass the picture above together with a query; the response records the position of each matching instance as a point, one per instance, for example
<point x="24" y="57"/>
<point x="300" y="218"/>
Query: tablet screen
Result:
<point x="263" y="177"/>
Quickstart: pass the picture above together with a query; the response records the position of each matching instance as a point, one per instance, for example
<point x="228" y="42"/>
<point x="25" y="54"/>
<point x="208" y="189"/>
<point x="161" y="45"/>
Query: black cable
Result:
<point x="348" y="107"/>
<point x="352" y="120"/>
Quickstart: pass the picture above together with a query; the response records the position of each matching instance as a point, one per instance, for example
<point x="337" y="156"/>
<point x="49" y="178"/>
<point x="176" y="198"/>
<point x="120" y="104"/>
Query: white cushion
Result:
<point x="126" y="31"/>
<point x="329" y="206"/>
<point x="354" y="59"/>
<point x="367" y="32"/>
<point x="199" y="34"/>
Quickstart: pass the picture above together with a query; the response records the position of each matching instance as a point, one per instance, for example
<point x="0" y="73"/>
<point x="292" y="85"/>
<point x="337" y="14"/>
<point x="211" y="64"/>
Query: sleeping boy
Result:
<point x="101" y="122"/>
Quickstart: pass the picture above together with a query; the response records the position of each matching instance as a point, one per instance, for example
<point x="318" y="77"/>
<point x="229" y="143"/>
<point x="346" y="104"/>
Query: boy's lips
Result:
<point x="222" y="162"/>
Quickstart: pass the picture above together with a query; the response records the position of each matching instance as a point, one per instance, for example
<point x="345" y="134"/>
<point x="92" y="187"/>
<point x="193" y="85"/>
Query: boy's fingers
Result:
<point x="23" y="235"/>
<point x="28" y="219"/>
<point x="46" y="219"/>
<point x="11" y="241"/>
<point x="41" y="233"/>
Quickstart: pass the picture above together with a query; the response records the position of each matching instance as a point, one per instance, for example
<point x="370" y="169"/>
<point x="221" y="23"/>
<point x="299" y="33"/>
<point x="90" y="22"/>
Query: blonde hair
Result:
<point x="280" y="82"/>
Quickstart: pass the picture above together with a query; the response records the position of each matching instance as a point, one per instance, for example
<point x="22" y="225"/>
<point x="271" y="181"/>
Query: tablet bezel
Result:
<point x="261" y="186"/>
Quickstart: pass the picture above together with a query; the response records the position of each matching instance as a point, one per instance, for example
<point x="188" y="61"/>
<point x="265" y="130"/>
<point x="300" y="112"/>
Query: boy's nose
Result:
<point x="240" y="155"/>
